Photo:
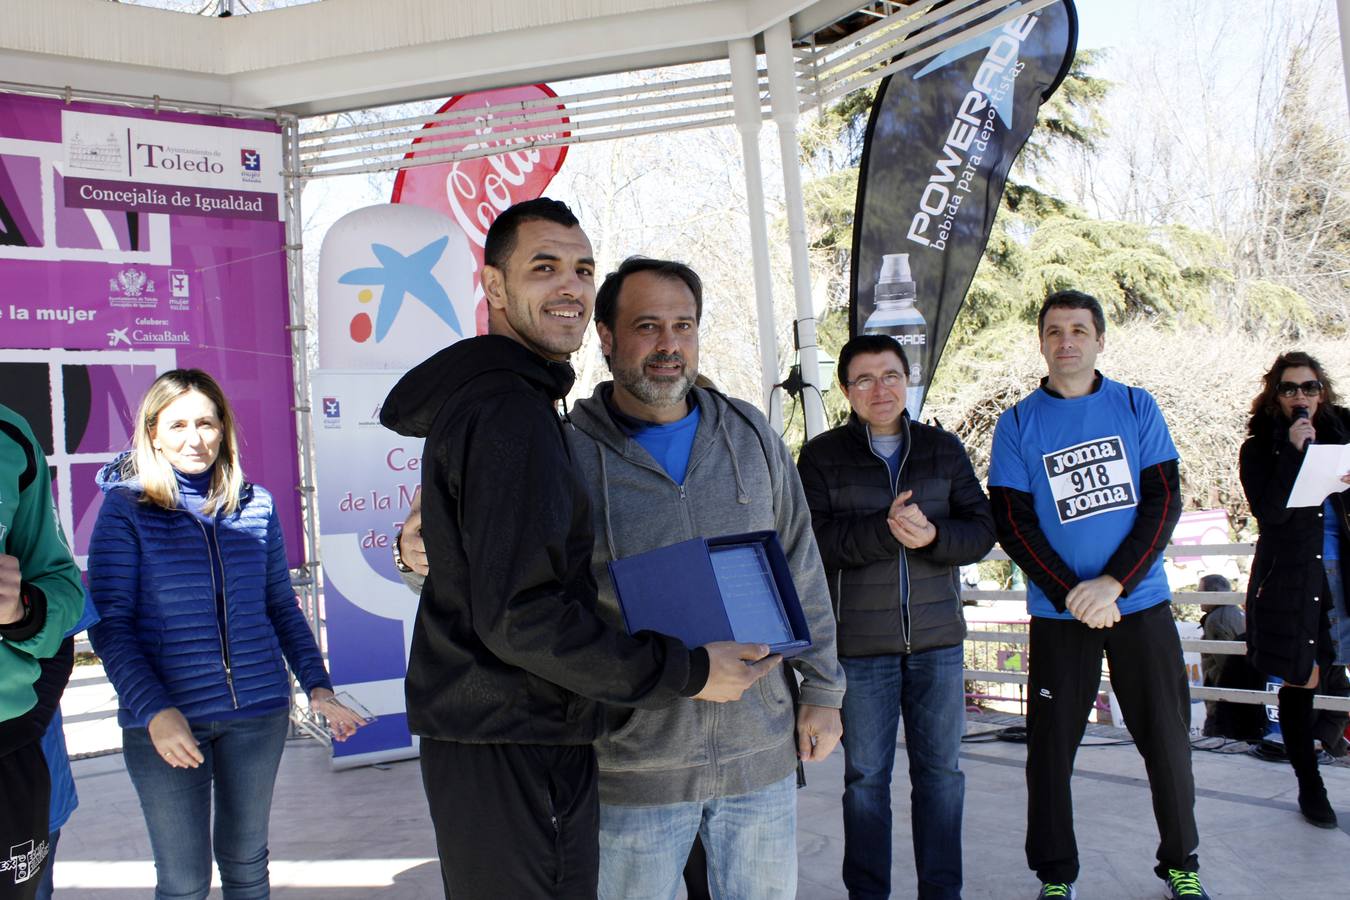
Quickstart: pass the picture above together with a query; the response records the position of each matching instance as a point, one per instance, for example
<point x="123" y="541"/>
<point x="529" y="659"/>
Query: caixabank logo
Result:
<point x="395" y="285"/>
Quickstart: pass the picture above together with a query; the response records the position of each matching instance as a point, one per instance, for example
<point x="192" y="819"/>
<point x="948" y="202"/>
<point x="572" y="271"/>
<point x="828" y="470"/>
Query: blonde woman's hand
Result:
<point x="342" y="722"/>
<point x="172" y="736"/>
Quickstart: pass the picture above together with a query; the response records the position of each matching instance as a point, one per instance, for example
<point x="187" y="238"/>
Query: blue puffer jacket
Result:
<point x="151" y="578"/>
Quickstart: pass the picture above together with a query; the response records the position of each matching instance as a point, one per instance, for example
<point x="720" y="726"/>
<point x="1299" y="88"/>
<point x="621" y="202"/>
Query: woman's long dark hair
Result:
<point x="1266" y="402"/>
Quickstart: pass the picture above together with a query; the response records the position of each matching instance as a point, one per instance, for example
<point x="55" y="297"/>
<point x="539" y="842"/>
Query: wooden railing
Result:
<point x="1181" y="598"/>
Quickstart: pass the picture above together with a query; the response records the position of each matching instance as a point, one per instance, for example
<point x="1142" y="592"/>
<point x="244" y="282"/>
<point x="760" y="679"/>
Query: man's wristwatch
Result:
<point x="398" y="557"/>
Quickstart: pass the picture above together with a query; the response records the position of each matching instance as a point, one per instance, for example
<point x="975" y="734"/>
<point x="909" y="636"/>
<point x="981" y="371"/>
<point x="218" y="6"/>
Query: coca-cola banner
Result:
<point x="473" y="191"/>
<point x="936" y="155"/>
<point x="134" y="242"/>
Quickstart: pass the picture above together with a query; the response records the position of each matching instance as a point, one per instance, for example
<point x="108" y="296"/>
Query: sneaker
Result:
<point x="1181" y="884"/>
<point x="1058" y="889"/>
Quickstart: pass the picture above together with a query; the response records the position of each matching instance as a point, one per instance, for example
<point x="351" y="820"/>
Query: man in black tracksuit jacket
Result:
<point x="508" y="653"/>
<point x="896" y="509"/>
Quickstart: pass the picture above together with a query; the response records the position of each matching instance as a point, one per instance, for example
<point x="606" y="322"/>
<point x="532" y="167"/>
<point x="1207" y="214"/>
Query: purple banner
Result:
<point x="101" y="294"/>
<point x="172" y="199"/>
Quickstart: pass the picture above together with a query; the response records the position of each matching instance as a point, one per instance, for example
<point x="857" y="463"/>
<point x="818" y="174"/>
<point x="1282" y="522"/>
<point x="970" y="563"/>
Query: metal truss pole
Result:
<point x="749" y="118"/>
<point x="783" y="94"/>
<point x="1343" y="15"/>
<point x="307" y="584"/>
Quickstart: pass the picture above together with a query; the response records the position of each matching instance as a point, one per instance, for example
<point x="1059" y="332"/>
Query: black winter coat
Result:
<point x="1288" y="583"/>
<point x="508" y="647"/>
<point x="849" y="490"/>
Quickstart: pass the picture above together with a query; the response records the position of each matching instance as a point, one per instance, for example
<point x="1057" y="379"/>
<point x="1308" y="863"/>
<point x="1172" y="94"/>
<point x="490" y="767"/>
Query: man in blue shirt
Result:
<point x="1086" y="491"/>
<point x="666" y="461"/>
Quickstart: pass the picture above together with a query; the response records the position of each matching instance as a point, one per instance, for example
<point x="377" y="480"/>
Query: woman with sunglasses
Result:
<point x="1297" y="621"/>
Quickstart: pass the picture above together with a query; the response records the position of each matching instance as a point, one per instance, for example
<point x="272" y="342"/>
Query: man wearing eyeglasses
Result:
<point x="1085" y="487"/>
<point x="896" y="508"/>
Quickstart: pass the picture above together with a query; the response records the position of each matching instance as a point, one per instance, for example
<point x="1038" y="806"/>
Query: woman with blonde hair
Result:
<point x="198" y="619"/>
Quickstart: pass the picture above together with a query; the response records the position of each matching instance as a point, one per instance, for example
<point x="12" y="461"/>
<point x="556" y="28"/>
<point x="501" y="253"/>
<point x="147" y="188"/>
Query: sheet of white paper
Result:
<point x="1320" y="475"/>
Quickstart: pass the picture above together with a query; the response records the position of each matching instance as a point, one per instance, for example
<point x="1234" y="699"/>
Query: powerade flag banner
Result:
<point x="938" y="148"/>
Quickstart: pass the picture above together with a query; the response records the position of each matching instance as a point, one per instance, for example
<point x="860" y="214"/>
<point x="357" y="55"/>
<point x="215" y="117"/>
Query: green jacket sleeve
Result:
<point x="32" y="534"/>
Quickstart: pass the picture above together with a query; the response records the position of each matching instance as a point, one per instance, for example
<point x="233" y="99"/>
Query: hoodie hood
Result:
<point x="118" y="475"/>
<point x="592" y="418"/>
<point x="413" y="404"/>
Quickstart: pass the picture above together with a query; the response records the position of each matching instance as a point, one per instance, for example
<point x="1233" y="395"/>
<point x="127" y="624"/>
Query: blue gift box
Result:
<point x="732" y="588"/>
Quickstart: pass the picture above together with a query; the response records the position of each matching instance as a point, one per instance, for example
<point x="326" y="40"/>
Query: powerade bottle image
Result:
<point x="896" y="315"/>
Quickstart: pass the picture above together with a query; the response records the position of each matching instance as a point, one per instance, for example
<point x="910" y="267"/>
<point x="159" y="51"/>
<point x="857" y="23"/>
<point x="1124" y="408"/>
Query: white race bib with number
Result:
<point x="1089" y="479"/>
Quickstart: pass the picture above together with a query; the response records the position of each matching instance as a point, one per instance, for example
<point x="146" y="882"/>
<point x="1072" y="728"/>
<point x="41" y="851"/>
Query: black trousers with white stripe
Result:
<point x="1149" y="678"/>
<point x="25" y="794"/>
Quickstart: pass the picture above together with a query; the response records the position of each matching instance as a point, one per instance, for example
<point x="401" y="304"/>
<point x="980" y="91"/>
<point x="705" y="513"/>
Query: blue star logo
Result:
<point x="400" y="275"/>
<point x="980" y="42"/>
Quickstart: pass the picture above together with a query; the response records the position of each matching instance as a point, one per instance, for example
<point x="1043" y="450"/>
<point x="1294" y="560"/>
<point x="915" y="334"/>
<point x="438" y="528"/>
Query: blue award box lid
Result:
<point x="731" y="588"/>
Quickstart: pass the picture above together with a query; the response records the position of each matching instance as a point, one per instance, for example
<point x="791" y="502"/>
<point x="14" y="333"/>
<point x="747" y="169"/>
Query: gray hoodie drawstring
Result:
<point x="741" y="496"/>
<point x="604" y="495"/>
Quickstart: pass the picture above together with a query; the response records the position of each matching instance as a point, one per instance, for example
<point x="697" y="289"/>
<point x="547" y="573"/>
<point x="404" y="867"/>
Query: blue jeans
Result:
<point x="927" y="689"/>
<point x="1338" y="611"/>
<point x="751" y="841"/>
<point x="242" y="756"/>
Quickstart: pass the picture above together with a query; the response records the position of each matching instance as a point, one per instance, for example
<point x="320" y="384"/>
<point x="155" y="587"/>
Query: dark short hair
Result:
<point x="501" y="236"/>
<point x="1265" y="402"/>
<point x="1215" y="583"/>
<point x="870" y="343"/>
<point x="607" y="297"/>
<point x="1072" y="300"/>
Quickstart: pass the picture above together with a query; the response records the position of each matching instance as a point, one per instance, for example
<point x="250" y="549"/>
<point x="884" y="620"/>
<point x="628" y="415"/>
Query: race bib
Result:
<point x="1089" y="479"/>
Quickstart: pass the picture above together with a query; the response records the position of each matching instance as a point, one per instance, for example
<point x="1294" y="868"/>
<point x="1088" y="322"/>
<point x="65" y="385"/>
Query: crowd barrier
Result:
<point x="1005" y="641"/>
<point x="987" y="644"/>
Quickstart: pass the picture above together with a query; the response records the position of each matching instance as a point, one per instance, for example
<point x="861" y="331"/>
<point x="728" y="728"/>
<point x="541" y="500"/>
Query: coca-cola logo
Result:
<point x="474" y="191"/>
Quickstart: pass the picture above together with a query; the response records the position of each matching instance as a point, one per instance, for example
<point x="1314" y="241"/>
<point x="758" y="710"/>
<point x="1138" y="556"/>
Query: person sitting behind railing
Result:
<point x="1225" y="622"/>
<point x="1219" y="622"/>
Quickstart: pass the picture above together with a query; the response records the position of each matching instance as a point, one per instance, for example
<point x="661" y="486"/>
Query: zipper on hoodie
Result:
<point x="904" y="559"/>
<point x="838" y="595"/>
<point x="225" y="608"/>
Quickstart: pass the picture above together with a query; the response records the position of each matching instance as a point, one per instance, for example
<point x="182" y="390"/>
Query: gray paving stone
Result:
<point x="1253" y="842"/>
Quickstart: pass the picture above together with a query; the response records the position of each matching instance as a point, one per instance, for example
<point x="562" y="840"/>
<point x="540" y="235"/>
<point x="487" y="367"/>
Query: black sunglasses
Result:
<point x="1290" y="388"/>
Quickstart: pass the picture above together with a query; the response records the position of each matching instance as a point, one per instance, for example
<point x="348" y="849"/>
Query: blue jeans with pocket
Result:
<point x="750" y="839"/>
<point x="242" y="757"/>
<point x="927" y="689"/>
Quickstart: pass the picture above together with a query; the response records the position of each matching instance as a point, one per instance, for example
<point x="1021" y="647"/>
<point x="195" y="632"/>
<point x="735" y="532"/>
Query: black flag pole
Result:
<point x="939" y="143"/>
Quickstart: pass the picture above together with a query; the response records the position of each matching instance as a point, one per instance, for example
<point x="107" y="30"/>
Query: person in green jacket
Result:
<point x="41" y="598"/>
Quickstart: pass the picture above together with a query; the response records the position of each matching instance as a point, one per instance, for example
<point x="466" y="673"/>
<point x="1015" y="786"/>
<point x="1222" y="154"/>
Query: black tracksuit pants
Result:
<point x="1149" y="678"/>
<point x="514" y="820"/>
<point x="25" y="789"/>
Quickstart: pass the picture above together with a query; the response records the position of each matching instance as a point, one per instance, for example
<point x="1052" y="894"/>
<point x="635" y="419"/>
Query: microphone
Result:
<point x="1301" y="412"/>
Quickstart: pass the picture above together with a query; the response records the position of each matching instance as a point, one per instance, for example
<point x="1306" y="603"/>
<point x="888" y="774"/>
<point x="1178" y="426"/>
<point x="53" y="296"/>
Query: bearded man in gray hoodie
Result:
<point x="666" y="461"/>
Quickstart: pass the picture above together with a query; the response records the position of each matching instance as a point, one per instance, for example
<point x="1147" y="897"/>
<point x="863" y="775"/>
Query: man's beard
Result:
<point x="657" y="392"/>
